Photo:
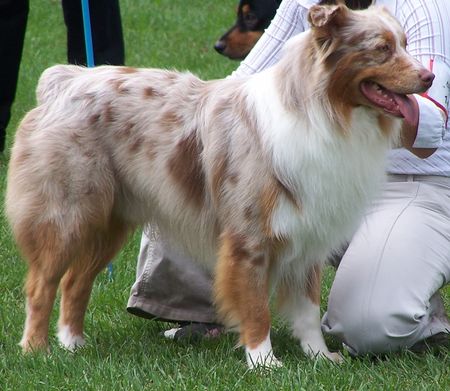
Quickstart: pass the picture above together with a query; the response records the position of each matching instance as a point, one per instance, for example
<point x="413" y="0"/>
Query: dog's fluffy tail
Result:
<point x="54" y="80"/>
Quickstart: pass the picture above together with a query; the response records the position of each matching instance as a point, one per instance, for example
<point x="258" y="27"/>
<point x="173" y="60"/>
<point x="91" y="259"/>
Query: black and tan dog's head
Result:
<point x="253" y="16"/>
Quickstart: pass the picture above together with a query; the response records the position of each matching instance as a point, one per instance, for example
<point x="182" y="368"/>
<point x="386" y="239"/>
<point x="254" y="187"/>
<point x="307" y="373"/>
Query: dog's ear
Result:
<point x="326" y="15"/>
<point x="325" y="20"/>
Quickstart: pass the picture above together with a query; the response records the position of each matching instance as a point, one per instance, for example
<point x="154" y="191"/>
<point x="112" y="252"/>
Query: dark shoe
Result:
<point x="435" y="341"/>
<point x="194" y="331"/>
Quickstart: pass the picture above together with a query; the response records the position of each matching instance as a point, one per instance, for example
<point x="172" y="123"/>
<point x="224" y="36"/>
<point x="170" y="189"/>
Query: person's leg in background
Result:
<point x="13" y="21"/>
<point x="107" y="35"/>
<point x="385" y="295"/>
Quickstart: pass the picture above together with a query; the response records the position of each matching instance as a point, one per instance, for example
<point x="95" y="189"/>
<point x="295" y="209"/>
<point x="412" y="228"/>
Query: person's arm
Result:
<point x="289" y="20"/>
<point x="427" y="27"/>
<point x="424" y="135"/>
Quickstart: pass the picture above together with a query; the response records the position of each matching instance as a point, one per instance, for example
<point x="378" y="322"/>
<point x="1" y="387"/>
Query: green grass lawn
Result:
<point x="125" y="352"/>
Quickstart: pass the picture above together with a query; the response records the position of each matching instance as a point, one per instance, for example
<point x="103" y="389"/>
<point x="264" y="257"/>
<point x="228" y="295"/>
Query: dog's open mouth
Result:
<point x="391" y="102"/>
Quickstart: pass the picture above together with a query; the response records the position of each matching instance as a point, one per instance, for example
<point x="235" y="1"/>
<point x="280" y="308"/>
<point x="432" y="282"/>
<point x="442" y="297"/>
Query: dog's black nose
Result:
<point x="220" y="46"/>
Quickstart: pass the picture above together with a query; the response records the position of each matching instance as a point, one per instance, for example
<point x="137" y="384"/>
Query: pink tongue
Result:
<point x="403" y="106"/>
<point x="407" y="108"/>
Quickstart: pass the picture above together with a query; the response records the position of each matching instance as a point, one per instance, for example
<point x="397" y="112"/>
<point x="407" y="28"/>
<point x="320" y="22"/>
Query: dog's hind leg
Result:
<point x="77" y="283"/>
<point x="48" y="261"/>
<point x="299" y="302"/>
<point x="242" y="296"/>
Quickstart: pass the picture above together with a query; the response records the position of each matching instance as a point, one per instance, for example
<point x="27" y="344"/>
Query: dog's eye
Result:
<point x="384" y="48"/>
<point x="250" y="19"/>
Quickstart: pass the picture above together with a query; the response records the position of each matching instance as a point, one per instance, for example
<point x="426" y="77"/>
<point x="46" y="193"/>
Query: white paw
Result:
<point x="324" y="354"/>
<point x="260" y="362"/>
<point x="335" y="357"/>
<point x="262" y="356"/>
<point x="68" y="340"/>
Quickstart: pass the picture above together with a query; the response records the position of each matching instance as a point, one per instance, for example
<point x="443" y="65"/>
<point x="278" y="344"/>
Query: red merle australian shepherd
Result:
<point x="259" y="178"/>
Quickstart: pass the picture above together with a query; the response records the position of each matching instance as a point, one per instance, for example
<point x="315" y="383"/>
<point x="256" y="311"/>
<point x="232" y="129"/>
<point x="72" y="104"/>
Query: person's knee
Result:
<point x="374" y="330"/>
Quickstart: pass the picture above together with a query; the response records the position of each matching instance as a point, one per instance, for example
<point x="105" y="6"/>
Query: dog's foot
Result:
<point x="31" y="346"/>
<point x="259" y="361"/>
<point x="262" y="356"/>
<point x="69" y="340"/>
<point x="316" y="349"/>
<point x="335" y="357"/>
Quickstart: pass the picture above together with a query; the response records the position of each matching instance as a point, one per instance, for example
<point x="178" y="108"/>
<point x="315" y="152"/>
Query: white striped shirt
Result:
<point x="427" y="26"/>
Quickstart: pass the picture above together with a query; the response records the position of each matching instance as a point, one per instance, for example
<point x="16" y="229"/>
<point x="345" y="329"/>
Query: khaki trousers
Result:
<point x="385" y="293"/>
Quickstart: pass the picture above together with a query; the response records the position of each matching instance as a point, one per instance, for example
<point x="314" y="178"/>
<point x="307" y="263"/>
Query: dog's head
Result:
<point x="364" y="54"/>
<point x="253" y="16"/>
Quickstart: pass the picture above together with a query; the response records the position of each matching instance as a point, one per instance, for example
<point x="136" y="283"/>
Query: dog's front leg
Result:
<point x="242" y="297"/>
<point x="299" y="302"/>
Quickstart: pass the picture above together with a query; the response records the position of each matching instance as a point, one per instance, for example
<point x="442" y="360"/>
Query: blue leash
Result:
<point x="87" y="33"/>
<point x="90" y="63"/>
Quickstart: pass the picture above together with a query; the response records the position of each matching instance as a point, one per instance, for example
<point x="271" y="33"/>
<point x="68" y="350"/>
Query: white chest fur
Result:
<point x="332" y="175"/>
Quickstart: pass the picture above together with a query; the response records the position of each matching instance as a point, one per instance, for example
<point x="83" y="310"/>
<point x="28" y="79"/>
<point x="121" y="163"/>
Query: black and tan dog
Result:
<point x="253" y="16"/>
